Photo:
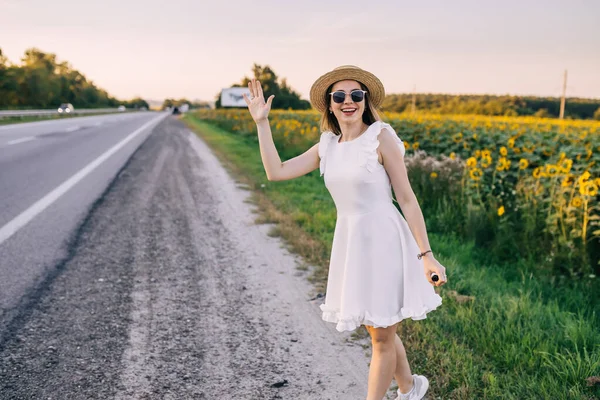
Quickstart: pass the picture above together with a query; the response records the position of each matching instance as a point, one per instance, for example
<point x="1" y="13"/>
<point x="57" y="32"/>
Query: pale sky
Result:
<point x="186" y="48"/>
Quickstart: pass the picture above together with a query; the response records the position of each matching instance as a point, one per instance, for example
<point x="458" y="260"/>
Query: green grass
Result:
<point x="500" y="333"/>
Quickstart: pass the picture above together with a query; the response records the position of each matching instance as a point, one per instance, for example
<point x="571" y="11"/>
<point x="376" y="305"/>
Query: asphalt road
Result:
<point x="36" y="160"/>
<point x="148" y="278"/>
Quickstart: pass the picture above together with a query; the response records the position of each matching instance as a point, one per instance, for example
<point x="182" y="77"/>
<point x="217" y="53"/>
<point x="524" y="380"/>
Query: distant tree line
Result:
<point x="180" y="102"/>
<point x="494" y="105"/>
<point x="285" y="96"/>
<point x="576" y="108"/>
<point x="40" y="81"/>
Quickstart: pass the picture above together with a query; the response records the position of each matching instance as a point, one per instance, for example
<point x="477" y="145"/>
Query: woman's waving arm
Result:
<point x="274" y="168"/>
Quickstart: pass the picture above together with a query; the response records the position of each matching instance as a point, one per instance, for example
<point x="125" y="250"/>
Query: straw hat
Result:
<point x="375" y="90"/>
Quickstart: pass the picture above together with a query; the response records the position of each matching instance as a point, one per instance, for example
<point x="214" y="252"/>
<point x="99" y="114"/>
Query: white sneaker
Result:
<point x="420" y="386"/>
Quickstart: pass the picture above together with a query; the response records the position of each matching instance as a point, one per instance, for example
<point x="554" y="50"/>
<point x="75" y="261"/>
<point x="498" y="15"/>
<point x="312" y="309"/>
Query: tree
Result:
<point x="542" y="113"/>
<point x="7" y="82"/>
<point x="290" y="99"/>
<point x="137" y="102"/>
<point x="267" y="78"/>
<point x="285" y="96"/>
<point x="42" y="81"/>
<point x="175" y="102"/>
<point x="3" y="61"/>
<point x="491" y="105"/>
<point x="597" y="114"/>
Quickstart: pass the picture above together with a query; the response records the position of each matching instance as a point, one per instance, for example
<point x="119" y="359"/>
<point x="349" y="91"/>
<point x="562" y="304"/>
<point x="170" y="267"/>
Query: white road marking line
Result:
<point x="72" y="129"/>
<point x="22" y="140"/>
<point x="26" y="216"/>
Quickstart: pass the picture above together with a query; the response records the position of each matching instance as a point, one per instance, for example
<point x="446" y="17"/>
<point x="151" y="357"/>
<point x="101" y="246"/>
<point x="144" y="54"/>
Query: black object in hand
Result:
<point x="435" y="277"/>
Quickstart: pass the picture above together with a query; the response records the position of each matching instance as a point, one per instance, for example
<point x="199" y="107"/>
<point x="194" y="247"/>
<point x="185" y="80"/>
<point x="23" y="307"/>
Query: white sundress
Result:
<point x="375" y="277"/>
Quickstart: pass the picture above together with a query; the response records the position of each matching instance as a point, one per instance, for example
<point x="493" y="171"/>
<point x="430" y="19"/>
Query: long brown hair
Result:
<point x="330" y="123"/>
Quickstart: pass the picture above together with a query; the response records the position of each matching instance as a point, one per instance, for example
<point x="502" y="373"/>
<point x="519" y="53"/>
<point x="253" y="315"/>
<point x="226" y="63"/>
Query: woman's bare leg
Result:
<point x="383" y="361"/>
<point x="402" y="374"/>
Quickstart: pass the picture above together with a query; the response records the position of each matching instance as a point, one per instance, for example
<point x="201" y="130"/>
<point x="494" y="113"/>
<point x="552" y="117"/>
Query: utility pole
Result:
<point x="413" y="107"/>
<point x="562" y="99"/>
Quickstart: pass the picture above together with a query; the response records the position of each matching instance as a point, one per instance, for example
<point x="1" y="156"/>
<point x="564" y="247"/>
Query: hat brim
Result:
<point x="318" y="95"/>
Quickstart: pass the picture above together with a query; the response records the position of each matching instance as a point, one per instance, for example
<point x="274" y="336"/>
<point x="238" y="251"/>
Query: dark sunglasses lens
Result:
<point x="339" y="97"/>
<point x="357" y="96"/>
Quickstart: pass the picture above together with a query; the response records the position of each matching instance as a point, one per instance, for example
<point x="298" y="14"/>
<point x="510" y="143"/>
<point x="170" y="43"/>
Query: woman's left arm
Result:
<point x="393" y="162"/>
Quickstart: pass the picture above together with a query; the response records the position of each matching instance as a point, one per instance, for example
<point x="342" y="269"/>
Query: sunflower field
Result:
<point x="521" y="187"/>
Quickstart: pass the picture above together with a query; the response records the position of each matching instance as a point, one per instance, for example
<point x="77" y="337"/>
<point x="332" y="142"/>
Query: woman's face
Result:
<point x="349" y="111"/>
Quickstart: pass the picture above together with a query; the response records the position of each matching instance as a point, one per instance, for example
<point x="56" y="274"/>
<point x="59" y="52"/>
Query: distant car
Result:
<point x="65" y="108"/>
<point x="121" y="108"/>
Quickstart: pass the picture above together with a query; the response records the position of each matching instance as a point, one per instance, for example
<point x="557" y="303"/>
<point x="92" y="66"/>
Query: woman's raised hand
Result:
<point x="257" y="106"/>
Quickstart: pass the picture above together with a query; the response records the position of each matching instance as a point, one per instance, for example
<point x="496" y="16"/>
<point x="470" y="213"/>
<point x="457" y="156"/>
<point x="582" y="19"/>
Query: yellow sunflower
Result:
<point x="471" y="162"/>
<point x="528" y="147"/>
<point x="567" y="180"/>
<point x="500" y="211"/>
<point x="523" y="163"/>
<point x="486" y="161"/>
<point x="565" y="165"/>
<point x="476" y="174"/>
<point x="503" y="164"/>
<point x="551" y="170"/>
<point x="583" y="178"/>
<point x="589" y="189"/>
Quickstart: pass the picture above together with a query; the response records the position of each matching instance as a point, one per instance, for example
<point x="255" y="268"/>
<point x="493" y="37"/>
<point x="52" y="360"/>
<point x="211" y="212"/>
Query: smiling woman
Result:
<point x="343" y="112"/>
<point x="381" y="269"/>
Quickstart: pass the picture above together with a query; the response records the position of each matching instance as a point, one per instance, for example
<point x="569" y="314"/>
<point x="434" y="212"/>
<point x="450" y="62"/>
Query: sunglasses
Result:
<point x="356" y="95"/>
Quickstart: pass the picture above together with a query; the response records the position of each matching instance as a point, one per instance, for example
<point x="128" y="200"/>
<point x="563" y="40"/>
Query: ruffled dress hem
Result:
<point x="350" y="323"/>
